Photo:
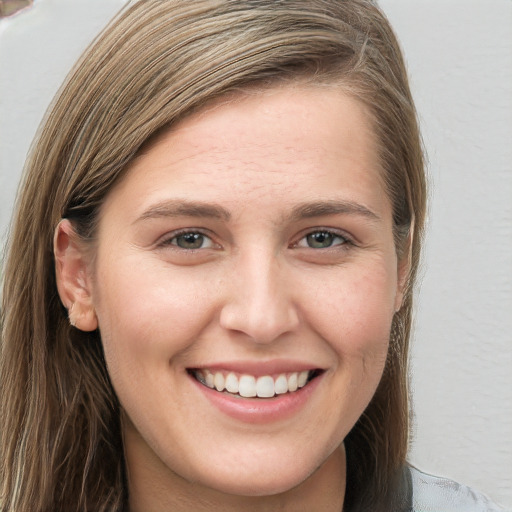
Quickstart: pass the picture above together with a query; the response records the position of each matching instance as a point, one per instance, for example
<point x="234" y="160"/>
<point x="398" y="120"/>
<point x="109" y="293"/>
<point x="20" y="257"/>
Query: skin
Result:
<point x="256" y="291"/>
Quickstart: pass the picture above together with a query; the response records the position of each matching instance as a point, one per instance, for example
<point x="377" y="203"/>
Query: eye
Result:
<point x="190" y="240"/>
<point x="322" y="240"/>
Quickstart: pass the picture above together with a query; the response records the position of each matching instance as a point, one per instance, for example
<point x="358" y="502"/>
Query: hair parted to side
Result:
<point x="156" y="63"/>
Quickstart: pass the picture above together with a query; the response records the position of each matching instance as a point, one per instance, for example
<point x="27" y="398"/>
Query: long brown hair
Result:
<point x="157" y="62"/>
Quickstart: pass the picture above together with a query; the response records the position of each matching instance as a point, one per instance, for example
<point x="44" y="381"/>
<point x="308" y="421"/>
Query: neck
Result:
<point x="161" y="491"/>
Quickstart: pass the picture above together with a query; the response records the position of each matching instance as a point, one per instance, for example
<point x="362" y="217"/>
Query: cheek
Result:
<point x="146" y="311"/>
<point x="354" y="313"/>
<point x="354" y="317"/>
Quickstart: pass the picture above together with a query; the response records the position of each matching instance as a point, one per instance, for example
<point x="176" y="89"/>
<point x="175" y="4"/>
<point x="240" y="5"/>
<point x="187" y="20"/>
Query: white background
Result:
<point x="459" y="54"/>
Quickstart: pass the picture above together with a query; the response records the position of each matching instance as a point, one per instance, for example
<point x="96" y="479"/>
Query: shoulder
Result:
<point x="434" y="494"/>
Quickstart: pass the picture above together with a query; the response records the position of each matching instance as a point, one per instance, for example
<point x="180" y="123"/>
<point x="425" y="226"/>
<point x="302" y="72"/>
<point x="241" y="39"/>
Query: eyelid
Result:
<point x="166" y="240"/>
<point x="335" y="232"/>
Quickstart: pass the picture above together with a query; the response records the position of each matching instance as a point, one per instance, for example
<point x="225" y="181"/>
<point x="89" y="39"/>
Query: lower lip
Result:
<point x="260" y="410"/>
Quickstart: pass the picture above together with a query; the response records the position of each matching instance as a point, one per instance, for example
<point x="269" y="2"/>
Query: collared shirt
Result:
<point x="434" y="494"/>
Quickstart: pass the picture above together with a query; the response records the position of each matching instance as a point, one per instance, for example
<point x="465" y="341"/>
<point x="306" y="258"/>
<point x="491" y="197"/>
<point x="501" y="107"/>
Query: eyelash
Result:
<point x="173" y="240"/>
<point x="344" y="240"/>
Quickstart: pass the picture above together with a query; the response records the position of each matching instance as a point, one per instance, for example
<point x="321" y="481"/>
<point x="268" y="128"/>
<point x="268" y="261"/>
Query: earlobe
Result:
<point x="73" y="277"/>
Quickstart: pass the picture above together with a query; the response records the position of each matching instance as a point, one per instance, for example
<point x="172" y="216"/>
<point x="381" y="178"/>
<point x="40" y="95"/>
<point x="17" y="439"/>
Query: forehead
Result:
<point x="308" y="102"/>
<point x="296" y="141"/>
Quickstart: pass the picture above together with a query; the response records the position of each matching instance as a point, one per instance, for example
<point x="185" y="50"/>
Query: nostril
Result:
<point x="260" y="323"/>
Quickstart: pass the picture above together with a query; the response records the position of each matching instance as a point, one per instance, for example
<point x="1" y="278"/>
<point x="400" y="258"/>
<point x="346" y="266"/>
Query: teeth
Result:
<point x="302" y="379"/>
<point x="209" y="380"/>
<point x="218" y="381"/>
<point x="281" y="385"/>
<point x="265" y="387"/>
<point x="249" y="386"/>
<point x="232" y="383"/>
<point x="293" y="382"/>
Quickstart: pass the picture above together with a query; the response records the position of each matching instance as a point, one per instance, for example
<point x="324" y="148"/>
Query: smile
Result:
<point x="249" y="386"/>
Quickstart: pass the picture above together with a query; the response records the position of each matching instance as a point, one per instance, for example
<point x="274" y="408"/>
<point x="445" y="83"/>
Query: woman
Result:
<point x="209" y="284"/>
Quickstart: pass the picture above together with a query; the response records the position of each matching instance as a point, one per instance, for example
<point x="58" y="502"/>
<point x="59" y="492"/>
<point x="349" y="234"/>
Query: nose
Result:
<point x="260" y="301"/>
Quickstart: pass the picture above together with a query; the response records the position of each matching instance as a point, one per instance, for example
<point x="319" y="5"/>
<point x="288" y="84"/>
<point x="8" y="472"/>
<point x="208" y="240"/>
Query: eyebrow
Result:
<point x="331" y="207"/>
<point x="184" y="208"/>
<point x="181" y="207"/>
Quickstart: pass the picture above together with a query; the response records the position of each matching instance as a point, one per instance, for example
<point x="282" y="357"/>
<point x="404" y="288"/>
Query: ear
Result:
<point x="73" y="277"/>
<point x="403" y="269"/>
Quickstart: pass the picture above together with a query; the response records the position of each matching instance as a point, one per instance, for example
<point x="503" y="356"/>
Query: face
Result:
<point x="244" y="284"/>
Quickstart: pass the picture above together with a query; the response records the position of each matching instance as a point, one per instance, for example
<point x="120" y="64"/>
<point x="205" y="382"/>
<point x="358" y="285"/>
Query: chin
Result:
<point x="272" y="476"/>
<point x="257" y="485"/>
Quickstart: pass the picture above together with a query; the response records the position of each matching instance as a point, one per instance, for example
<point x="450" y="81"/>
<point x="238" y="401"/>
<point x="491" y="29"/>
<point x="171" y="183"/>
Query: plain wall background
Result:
<point x="459" y="54"/>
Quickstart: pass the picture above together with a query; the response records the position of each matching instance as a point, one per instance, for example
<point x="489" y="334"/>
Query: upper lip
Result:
<point x="258" y="368"/>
